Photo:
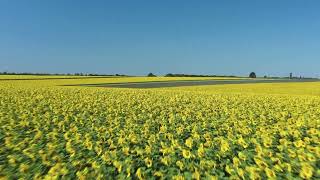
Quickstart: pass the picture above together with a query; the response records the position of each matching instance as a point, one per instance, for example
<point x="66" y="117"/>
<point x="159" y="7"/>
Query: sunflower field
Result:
<point x="256" y="131"/>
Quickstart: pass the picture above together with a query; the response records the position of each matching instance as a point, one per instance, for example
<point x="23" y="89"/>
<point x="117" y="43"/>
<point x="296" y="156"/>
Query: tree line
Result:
<point x="189" y="75"/>
<point x="251" y="75"/>
<point x="59" y="74"/>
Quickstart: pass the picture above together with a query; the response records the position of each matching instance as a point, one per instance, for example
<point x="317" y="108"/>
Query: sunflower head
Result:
<point x="186" y="154"/>
<point x="306" y="171"/>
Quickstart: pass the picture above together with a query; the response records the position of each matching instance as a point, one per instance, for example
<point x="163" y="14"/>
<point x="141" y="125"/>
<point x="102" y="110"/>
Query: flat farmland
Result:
<point x="68" y="128"/>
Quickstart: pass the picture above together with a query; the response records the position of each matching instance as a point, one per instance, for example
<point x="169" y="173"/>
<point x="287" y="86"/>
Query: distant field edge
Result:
<point x="180" y="83"/>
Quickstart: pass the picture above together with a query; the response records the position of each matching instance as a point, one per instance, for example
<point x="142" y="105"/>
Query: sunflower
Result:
<point x="189" y="143"/>
<point x="260" y="162"/>
<point x="236" y="162"/>
<point x="224" y="146"/>
<point x="186" y="154"/>
<point x="242" y="142"/>
<point x="240" y="173"/>
<point x="270" y="173"/>
<point x="118" y="165"/>
<point x="242" y="156"/>
<point x="201" y="151"/>
<point x="23" y="168"/>
<point x="196" y="175"/>
<point x="299" y="143"/>
<point x="306" y="171"/>
<point x="180" y="165"/>
<point x="165" y="160"/>
<point x="148" y="162"/>
<point x="178" y="177"/>
<point x="139" y="174"/>
<point x="158" y="174"/>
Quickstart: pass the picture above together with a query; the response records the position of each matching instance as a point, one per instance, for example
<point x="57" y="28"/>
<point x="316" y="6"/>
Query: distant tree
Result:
<point x="169" y="75"/>
<point x="265" y="77"/>
<point x="252" y="75"/>
<point x="151" y="75"/>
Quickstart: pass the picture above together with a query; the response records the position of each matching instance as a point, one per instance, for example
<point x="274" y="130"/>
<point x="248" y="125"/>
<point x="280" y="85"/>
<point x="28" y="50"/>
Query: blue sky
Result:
<point x="180" y="36"/>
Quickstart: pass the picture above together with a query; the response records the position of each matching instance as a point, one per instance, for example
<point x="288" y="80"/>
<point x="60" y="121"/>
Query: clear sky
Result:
<point x="270" y="37"/>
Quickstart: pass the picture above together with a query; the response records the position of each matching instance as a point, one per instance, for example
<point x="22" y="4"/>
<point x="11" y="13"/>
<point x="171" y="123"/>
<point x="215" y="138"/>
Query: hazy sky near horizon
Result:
<point x="179" y="36"/>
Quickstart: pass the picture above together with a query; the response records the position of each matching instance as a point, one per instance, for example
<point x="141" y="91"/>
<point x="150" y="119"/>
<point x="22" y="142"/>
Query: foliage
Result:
<point x="50" y="131"/>
<point x="252" y="75"/>
<point x="151" y="75"/>
<point x="57" y="74"/>
<point x="198" y="75"/>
